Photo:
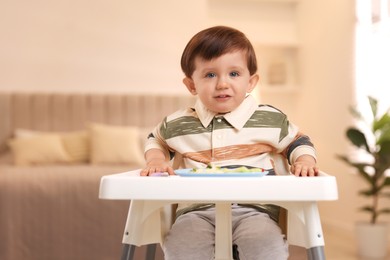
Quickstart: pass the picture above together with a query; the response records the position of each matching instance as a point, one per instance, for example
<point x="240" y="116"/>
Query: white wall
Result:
<point x="132" y="46"/>
<point x="326" y="90"/>
<point x="83" y="45"/>
<point x="327" y="32"/>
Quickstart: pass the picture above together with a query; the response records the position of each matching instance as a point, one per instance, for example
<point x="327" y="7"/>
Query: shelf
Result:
<point x="271" y="26"/>
<point x="278" y="68"/>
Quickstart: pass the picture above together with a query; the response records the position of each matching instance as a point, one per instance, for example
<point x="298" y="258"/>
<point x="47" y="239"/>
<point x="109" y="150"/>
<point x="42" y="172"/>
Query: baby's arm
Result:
<point x="156" y="162"/>
<point x="304" y="165"/>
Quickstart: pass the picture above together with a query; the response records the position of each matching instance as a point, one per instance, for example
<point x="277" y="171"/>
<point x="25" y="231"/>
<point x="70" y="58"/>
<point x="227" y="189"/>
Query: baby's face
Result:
<point x="222" y="83"/>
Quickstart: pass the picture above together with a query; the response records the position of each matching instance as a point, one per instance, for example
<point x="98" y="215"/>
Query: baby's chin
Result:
<point x="221" y="111"/>
<point x="221" y="108"/>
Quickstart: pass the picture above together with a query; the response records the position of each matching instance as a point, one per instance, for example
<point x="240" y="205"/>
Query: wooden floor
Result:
<point x="339" y="245"/>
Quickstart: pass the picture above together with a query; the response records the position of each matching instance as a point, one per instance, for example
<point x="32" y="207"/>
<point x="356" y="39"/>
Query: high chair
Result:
<point x="150" y="214"/>
<point x="128" y="249"/>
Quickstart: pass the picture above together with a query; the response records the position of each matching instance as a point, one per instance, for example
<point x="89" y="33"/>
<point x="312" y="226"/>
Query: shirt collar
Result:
<point x="237" y="118"/>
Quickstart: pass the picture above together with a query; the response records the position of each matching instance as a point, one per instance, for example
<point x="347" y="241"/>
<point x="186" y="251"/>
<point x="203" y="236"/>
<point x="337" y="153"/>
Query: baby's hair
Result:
<point x="214" y="42"/>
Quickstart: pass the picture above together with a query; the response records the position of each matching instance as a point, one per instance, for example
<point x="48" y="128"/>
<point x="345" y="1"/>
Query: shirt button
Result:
<point x="219" y="120"/>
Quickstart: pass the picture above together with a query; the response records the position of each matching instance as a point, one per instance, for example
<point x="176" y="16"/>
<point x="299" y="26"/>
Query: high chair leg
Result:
<point x="128" y="252"/>
<point x="316" y="253"/>
<point x="151" y="252"/>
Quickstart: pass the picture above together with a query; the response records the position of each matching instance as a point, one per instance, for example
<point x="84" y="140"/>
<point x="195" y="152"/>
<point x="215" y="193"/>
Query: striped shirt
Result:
<point x="247" y="136"/>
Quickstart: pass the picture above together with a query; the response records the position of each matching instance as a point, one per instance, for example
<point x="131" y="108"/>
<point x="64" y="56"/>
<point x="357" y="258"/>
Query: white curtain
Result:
<point x="373" y="52"/>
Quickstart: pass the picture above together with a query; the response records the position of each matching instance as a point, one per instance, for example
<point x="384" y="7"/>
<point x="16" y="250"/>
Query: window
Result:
<point x="372" y="52"/>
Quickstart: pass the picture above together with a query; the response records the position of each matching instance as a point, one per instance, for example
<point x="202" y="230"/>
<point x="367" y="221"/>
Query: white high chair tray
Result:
<point x="299" y="195"/>
<point x="130" y="186"/>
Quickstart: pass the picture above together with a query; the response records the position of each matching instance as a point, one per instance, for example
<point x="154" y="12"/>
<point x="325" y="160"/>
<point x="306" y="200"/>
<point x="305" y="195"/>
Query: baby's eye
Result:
<point x="210" y="75"/>
<point x="234" y="74"/>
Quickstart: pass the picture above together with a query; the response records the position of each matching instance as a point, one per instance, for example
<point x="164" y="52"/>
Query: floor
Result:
<point x="338" y="246"/>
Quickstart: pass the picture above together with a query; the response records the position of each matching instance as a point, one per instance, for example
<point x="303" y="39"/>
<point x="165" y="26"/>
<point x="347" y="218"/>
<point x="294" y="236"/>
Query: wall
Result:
<point x="95" y="45"/>
<point x="327" y="32"/>
<point x="135" y="46"/>
<point x="325" y="91"/>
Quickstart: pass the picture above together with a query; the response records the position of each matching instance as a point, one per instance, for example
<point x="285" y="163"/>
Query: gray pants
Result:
<point x="256" y="235"/>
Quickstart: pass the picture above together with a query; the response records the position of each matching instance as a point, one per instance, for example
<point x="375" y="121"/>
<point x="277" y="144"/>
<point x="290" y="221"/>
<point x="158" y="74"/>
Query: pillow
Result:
<point x="25" y="133"/>
<point x="76" y="144"/>
<point x="41" y="149"/>
<point x="115" y="145"/>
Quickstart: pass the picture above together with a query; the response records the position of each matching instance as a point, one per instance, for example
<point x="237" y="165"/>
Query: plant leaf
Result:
<point x="367" y="208"/>
<point x="383" y="211"/>
<point x="383" y="122"/>
<point x="384" y="148"/>
<point x="355" y="113"/>
<point x="357" y="138"/>
<point x="374" y="106"/>
<point x="383" y="156"/>
<point x="359" y="166"/>
<point x="384" y="137"/>
<point x="386" y="182"/>
<point x="367" y="193"/>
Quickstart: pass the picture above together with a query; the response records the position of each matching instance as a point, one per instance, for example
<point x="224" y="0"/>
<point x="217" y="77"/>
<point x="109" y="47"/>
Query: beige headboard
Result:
<point x="71" y="111"/>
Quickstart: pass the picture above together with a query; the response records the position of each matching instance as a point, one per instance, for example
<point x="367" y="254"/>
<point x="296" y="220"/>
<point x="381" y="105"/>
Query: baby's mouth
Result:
<point x="222" y="96"/>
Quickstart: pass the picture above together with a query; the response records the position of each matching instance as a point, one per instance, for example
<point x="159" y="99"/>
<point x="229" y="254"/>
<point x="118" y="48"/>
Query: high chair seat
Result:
<point x="149" y="218"/>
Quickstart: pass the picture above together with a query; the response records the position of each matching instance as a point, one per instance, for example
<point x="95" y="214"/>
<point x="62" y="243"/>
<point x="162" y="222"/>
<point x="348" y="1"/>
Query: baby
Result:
<point x="226" y="127"/>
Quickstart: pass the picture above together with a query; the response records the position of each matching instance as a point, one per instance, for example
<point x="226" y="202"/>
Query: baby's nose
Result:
<point x="222" y="84"/>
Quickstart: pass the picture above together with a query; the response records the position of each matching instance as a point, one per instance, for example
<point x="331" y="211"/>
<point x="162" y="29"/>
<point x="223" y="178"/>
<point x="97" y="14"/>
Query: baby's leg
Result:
<point x="257" y="236"/>
<point x="191" y="237"/>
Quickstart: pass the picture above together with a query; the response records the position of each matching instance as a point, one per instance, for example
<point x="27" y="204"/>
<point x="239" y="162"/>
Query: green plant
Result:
<point x="374" y="142"/>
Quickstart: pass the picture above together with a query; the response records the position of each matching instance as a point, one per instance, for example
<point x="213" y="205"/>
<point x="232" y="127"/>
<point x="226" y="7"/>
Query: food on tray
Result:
<point x="218" y="169"/>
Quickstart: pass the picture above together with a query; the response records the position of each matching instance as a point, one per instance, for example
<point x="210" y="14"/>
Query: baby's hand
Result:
<point x="156" y="163"/>
<point x="157" y="167"/>
<point x="305" y="165"/>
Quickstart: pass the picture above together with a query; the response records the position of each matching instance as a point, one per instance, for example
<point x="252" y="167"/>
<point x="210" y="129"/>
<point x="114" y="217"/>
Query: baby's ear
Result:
<point x="190" y="85"/>
<point x="252" y="82"/>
